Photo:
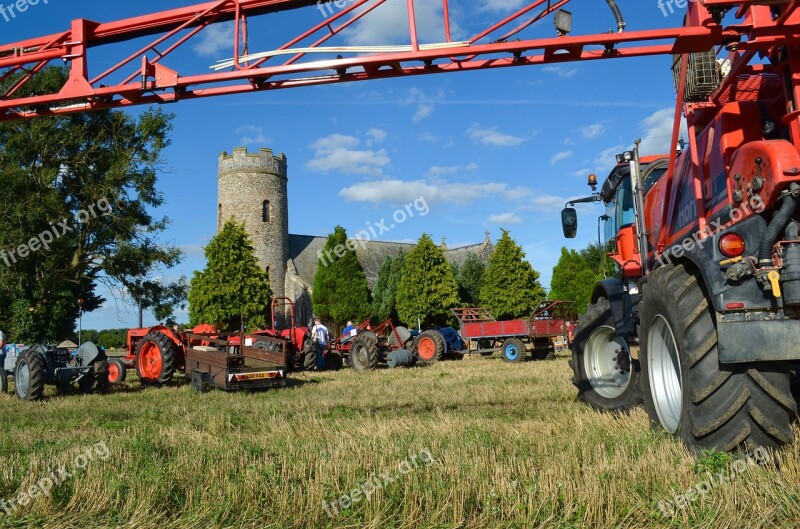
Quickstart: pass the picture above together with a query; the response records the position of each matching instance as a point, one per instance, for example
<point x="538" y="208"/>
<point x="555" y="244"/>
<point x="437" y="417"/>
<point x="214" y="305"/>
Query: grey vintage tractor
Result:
<point x="61" y="366"/>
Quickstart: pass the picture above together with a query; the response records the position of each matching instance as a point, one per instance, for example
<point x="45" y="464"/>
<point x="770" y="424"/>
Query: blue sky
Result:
<point x="487" y="150"/>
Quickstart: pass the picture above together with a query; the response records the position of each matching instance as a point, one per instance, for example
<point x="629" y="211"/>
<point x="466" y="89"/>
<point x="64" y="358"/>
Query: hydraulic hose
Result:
<point x="617" y="14"/>
<point x="776" y="229"/>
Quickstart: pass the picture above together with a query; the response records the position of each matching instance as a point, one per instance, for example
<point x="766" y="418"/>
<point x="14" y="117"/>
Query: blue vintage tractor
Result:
<point x="39" y="365"/>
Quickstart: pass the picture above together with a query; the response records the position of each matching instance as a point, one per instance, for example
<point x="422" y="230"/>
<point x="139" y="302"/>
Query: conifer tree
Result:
<point x="341" y="291"/>
<point x="232" y="291"/>
<point x="427" y="288"/>
<point x="511" y="286"/>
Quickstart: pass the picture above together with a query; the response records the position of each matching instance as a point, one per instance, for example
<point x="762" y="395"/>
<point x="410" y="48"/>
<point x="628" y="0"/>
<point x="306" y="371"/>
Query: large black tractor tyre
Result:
<point x="156" y="356"/>
<point x="364" y="351"/>
<point x="333" y="361"/>
<point x="429" y="346"/>
<point x="30" y="373"/>
<point x="688" y="392"/>
<point x="513" y="350"/>
<point x="97" y="380"/>
<point x="606" y="376"/>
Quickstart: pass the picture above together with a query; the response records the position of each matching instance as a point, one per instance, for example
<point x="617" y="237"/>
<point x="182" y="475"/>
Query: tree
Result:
<point x="79" y="191"/>
<point x="384" y="294"/>
<point x="511" y="286"/>
<point x="427" y="289"/>
<point x="573" y="279"/>
<point x="597" y="259"/>
<point x="469" y="276"/>
<point x="340" y="291"/>
<point x="233" y="291"/>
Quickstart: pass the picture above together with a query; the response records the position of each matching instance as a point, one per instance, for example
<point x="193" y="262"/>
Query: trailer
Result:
<point x="232" y="362"/>
<point x="485" y="335"/>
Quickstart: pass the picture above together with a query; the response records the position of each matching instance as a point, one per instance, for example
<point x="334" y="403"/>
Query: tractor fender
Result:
<point x="89" y="352"/>
<point x="623" y="304"/>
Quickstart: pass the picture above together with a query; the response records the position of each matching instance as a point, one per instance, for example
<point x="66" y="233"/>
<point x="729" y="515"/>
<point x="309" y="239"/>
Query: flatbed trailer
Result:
<point x="231" y="362"/>
<point x="485" y="335"/>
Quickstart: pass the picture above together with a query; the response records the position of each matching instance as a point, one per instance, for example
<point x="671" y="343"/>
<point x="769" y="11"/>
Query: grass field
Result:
<point x="509" y="447"/>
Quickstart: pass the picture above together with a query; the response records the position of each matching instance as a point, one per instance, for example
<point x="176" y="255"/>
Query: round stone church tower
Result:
<point x="252" y="188"/>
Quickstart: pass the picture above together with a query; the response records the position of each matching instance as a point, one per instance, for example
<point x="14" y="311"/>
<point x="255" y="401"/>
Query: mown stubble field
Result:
<point x="510" y="448"/>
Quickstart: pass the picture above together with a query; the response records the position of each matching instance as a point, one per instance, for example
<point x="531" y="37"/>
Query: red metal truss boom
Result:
<point x="142" y="77"/>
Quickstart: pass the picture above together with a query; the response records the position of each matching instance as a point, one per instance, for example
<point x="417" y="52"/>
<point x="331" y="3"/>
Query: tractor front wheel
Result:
<point x="604" y="372"/>
<point x="513" y="350"/>
<point x="97" y="380"/>
<point x="3" y="380"/>
<point x="430" y="346"/>
<point x="117" y="372"/>
<point x="364" y="351"/>
<point x="688" y="392"/>
<point x="333" y="361"/>
<point x="29" y="374"/>
<point x="155" y="359"/>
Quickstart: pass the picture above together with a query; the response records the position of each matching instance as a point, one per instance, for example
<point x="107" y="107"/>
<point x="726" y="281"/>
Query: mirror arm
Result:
<point x="593" y="198"/>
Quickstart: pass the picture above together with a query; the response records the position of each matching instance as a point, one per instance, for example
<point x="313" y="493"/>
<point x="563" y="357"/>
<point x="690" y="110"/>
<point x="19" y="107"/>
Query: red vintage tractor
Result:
<point x="301" y="349"/>
<point x="701" y="321"/>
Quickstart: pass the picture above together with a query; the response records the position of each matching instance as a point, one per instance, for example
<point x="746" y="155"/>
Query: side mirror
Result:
<point x="569" y="221"/>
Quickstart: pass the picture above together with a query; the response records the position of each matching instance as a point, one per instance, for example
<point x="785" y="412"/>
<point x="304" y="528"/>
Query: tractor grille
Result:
<point x="702" y="78"/>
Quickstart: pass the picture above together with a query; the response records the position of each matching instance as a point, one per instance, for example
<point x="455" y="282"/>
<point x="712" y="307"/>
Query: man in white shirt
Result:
<point x="321" y="335"/>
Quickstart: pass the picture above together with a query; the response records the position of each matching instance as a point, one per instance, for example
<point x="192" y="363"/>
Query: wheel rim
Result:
<point x="512" y="352"/>
<point x="426" y="348"/>
<point x="113" y="373"/>
<point x="22" y="380"/>
<point x="665" y="374"/>
<point x="607" y="362"/>
<point x="150" y="361"/>
<point x="361" y="356"/>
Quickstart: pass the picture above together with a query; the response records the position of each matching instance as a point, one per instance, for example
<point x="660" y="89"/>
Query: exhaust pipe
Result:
<point x="776" y="229"/>
<point x="790" y="276"/>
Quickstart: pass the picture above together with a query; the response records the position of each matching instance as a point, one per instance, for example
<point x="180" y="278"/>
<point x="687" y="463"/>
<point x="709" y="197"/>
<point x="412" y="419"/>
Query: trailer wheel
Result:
<point x="513" y="350"/>
<point x="117" y="371"/>
<point x="606" y="376"/>
<point x="333" y="361"/>
<point x="688" y="392"/>
<point x="364" y="351"/>
<point x="429" y="346"/>
<point x="29" y="374"/>
<point x="97" y="381"/>
<point x="155" y="359"/>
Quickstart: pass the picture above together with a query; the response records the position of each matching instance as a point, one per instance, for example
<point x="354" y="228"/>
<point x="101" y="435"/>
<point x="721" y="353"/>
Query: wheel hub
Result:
<point x="665" y="374"/>
<point x="22" y="379"/>
<point x="607" y="362"/>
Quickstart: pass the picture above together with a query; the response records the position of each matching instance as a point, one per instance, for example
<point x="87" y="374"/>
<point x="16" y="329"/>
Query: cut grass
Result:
<point x="512" y="447"/>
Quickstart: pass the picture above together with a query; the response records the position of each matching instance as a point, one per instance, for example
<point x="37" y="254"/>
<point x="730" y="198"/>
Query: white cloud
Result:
<point x="252" y="135"/>
<point x="437" y="171"/>
<point x="340" y="153"/>
<point x="429" y="137"/>
<point x="491" y="137"/>
<point x="560" y="156"/>
<point x="561" y="71"/>
<point x="501" y="5"/>
<point x="472" y="167"/>
<point x="657" y="131"/>
<point x="424" y="102"/>
<point x="388" y="24"/>
<point x="592" y="131"/>
<point x="435" y="191"/>
<point x="505" y="218"/>
<point x="375" y="136"/>
<point x="546" y="203"/>
<point x="215" y="39"/>
<point x="607" y="159"/>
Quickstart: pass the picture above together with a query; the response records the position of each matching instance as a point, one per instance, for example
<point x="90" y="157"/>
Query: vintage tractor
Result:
<point x="371" y="346"/>
<point x="302" y="353"/>
<point x="61" y="366"/>
<point x="702" y="320"/>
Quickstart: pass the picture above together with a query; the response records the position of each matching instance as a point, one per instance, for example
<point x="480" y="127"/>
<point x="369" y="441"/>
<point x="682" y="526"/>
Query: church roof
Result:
<point x="306" y="250"/>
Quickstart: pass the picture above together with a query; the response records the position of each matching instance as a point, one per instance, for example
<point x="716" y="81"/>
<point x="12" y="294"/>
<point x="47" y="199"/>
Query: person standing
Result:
<point x="321" y="335"/>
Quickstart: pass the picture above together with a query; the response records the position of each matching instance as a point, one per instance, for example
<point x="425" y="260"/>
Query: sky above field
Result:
<point x="487" y="150"/>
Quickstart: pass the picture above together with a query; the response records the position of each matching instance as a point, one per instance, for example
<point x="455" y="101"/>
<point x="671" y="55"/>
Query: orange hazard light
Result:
<point x="732" y="245"/>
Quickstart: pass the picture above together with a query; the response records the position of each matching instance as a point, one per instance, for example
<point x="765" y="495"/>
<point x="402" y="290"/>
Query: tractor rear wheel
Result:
<point x="513" y="350"/>
<point x="117" y="372"/>
<point x="688" y="392"/>
<point x="155" y="359"/>
<point x="29" y="374"/>
<point x="604" y="372"/>
<point x="430" y="346"/>
<point x="3" y="379"/>
<point x="364" y="351"/>
<point x="309" y="361"/>
<point x="97" y="380"/>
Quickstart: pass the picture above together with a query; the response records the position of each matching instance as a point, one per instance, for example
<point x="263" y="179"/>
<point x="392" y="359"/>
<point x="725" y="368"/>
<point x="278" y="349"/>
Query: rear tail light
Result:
<point x="732" y="245"/>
